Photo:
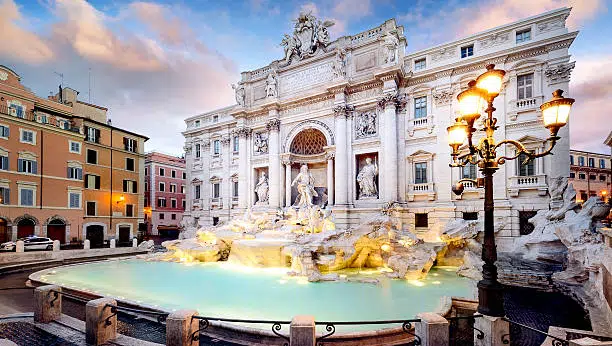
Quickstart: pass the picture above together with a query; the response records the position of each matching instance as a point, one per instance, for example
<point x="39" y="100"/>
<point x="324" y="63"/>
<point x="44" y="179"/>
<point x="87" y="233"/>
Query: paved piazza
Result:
<point x="363" y="120"/>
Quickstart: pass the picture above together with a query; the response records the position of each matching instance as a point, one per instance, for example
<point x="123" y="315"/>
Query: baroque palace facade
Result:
<point x="369" y="122"/>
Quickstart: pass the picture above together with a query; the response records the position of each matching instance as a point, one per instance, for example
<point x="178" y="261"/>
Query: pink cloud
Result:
<point x="18" y="43"/>
<point x="158" y="19"/>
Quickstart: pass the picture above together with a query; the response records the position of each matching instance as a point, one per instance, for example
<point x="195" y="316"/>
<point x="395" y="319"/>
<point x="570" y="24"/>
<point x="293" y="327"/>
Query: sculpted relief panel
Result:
<point x="307" y="78"/>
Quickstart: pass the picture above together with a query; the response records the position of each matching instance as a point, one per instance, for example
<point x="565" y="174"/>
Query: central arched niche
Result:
<point x="308" y="142"/>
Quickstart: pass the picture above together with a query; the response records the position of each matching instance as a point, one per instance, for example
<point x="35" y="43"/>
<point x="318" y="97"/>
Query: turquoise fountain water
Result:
<point x="224" y="290"/>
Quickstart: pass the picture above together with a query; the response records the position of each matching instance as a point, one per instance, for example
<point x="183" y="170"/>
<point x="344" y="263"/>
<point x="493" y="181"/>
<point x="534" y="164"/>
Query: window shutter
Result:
<point x="135" y="146"/>
<point x="79" y="173"/>
<point x="86" y="130"/>
<point x="125" y="143"/>
<point x="135" y="187"/>
<point x="7" y="132"/>
<point x="5" y="162"/>
<point x="97" y="182"/>
<point x="125" y="186"/>
<point x="20" y="165"/>
<point x="97" y="133"/>
<point x="34" y="167"/>
<point x="86" y="180"/>
<point x="7" y="196"/>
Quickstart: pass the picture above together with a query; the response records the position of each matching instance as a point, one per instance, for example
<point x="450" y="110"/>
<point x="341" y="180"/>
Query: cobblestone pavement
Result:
<point x="25" y="334"/>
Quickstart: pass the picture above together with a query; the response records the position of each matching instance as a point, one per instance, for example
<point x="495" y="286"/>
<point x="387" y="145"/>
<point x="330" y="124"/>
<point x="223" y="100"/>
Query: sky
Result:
<point x="155" y="63"/>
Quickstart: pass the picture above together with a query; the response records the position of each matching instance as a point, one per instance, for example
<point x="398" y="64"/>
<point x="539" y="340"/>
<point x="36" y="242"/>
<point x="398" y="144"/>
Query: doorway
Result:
<point x="56" y="230"/>
<point x="25" y="228"/>
<point x="95" y="235"/>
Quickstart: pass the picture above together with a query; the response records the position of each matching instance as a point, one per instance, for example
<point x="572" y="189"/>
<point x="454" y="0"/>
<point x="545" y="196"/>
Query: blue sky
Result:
<point x="154" y="63"/>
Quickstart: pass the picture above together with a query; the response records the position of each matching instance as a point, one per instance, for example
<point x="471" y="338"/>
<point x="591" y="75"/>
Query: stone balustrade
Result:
<point x="424" y="189"/>
<point x="532" y="182"/>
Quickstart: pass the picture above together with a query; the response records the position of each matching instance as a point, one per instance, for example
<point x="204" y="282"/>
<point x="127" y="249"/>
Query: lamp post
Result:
<point x="480" y="94"/>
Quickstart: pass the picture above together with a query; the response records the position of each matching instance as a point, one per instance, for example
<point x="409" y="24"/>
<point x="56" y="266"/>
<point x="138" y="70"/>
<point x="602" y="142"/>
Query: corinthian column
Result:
<point x="342" y="178"/>
<point x="388" y="175"/>
<point x="243" y="134"/>
<point x="330" y="179"/>
<point x="287" y="164"/>
<point x="274" y="180"/>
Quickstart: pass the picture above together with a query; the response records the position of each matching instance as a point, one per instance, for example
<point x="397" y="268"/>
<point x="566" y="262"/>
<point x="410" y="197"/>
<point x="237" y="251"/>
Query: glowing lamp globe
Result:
<point x="491" y="81"/>
<point x="457" y="134"/>
<point x="471" y="103"/>
<point x="556" y="111"/>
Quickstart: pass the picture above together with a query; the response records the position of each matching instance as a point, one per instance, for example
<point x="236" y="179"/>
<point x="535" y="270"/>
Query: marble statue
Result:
<point x="291" y="46"/>
<point x="240" y="94"/>
<point x="365" y="125"/>
<point x="305" y="187"/>
<point x="271" y="90"/>
<point x="367" y="180"/>
<point x="339" y="64"/>
<point x="261" y="143"/>
<point x="390" y="43"/>
<point x="309" y="35"/>
<point x="262" y="188"/>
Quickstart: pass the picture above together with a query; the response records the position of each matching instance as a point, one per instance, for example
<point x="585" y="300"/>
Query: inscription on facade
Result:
<point x="306" y="78"/>
<point x="365" y="61"/>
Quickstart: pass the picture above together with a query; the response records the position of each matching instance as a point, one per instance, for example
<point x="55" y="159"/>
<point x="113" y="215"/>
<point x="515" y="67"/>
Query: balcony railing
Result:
<point x="530" y="182"/>
<point x="216" y="203"/>
<point x="423" y="189"/>
<point x="526" y="104"/>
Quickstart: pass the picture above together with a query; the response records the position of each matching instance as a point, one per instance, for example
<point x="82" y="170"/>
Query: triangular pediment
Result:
<point x="421" y="153"/>
<point x="530" y="139"/>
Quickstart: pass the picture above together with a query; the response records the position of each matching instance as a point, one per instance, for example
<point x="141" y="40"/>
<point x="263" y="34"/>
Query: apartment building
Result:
<point x="165" y="202"/>
<point x="65" y="171"/>
<point x="591" y="174"/>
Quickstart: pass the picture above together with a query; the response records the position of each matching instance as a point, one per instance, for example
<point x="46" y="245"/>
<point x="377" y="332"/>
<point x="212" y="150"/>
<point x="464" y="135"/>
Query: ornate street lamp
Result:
<point x="481" y="92"/>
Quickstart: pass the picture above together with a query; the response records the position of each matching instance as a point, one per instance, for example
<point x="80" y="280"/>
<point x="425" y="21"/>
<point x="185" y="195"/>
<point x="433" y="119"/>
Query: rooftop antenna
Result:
<point x="61" y="75"/>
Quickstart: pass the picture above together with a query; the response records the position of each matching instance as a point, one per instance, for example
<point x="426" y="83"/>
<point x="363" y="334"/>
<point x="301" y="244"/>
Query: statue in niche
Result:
<point x="366" y="125"/>
<point x="262" y="188"/>
<point x="367" y="180"/>
<point x="390" y="43"/>
<point x="305" y="187"/>
<point x="271" y="90"/>
<point x="261" y="143"/>
<point x="339" y="64"/>
<point x="240" y="94"/>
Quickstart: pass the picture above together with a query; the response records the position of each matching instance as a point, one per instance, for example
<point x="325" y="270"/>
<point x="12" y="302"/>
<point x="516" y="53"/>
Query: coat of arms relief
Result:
<point x="310" y="35"/>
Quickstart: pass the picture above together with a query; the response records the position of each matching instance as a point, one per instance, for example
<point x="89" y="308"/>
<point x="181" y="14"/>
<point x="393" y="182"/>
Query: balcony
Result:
<point x="527" y="183"/>
<point x="425" y="189"/>
<point x="470" y="188"/>
<point x="524" y="105"/>
<point x="216" y="203"/>
<point x="420" y="123"/>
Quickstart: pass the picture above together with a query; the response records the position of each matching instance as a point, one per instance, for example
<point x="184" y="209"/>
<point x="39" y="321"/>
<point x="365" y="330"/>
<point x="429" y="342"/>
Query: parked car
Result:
<point x="29" y="243"/>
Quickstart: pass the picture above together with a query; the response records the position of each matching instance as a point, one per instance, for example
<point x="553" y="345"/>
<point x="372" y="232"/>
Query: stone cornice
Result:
<point x="394" y="73"/>
<point x="341" y="87"/>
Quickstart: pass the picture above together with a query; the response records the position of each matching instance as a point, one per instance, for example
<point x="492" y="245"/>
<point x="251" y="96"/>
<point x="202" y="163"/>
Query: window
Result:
<point x="602" y="177"/>
<point x="146" y="171"/>
<point x="173" y="174"/>
<point x="5" y="194"/>
<point x="468" y="171"/>
<point x="182" y="188"/>
<point x="525" y="170"/>
<point x="592" y="177"/>
<point x="129" y="164"/>
<point x="173" y="203"/>
<point x="161" y="216"/>
<point x="43" y="119"/>
<point x="215" y="220"/>
<point x="4" y="131"/>
<point x="526" y="227"/>
<point x="591" y="162"/>
<point x="420" y="64"/>
<point x="197" y="192"/>
<point x="471" y="216"/>
<point x="236" y="144"/>
<point x="421" y="220"/>
<point x="235" y="189"/>
<point x="197" y="151"/>
<point x="146" y="186"/>
<point x="74" y="147"/>
<point x="161" y="202"/>
<point x="129" y="210"/>
<point x="92" y="181"/>
<point x="16" y="110"/>
<point x="162" y="172"/>
<point x="173" y="216"/>
<point x="92" y="157"/>
<point x="27" y="166"/>
<point x="90" y="209"/>
<point x="216" y="147"/>
<point x="28" y="136"/>
<point x="467" y="51"/>
<point x="184" y="204"/>
<point x="130" y="186"/>
<point x="184" y="175"/>
<point x="173" y="188"/>
<point x="420" y="173"/>
<point x="4" y="162"/>
<point x="583" y="195"/>
<point x="602" y="163"/>
<point x="196" y="123"/>
<point x="74" y="200"/>
<point x="571" y="159"/>
<point x="130" y="144"/>
<point x="26" y="197"/>
<point x="216" y="190"/>
<point x="572" y="175"/>
<point x="75" y="173"/>
<point x="523" y="36"/>
<point x="580" y="161"/>
<point x="162" y="187"/>
<point x="92" y="134"/>
<point x="524" y="84"/>
<point x="420" y="107"/>
<point x="215" y="118"/>
<point x="581" y="176"/>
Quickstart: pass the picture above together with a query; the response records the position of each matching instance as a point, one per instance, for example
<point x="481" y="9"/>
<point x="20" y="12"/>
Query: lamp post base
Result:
<point x="490" y="298"/>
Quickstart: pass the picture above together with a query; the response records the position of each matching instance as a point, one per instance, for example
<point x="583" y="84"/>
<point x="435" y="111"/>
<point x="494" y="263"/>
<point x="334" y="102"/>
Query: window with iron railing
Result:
<point x="524" y="84"/>
<point x="420" y="107"/>
<point x="420" y="173"/>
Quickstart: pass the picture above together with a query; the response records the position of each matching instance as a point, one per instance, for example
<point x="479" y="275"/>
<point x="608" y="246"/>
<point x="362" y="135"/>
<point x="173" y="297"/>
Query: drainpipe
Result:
<point x="42" y="160"/>
<point x="110" y="225"/>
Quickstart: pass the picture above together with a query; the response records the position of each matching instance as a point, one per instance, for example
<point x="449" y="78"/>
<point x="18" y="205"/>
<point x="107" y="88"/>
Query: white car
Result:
<point x="29" y="243"/>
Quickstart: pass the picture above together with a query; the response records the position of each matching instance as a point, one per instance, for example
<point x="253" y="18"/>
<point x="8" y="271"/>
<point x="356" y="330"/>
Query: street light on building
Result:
<point x="481" y="93"/>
